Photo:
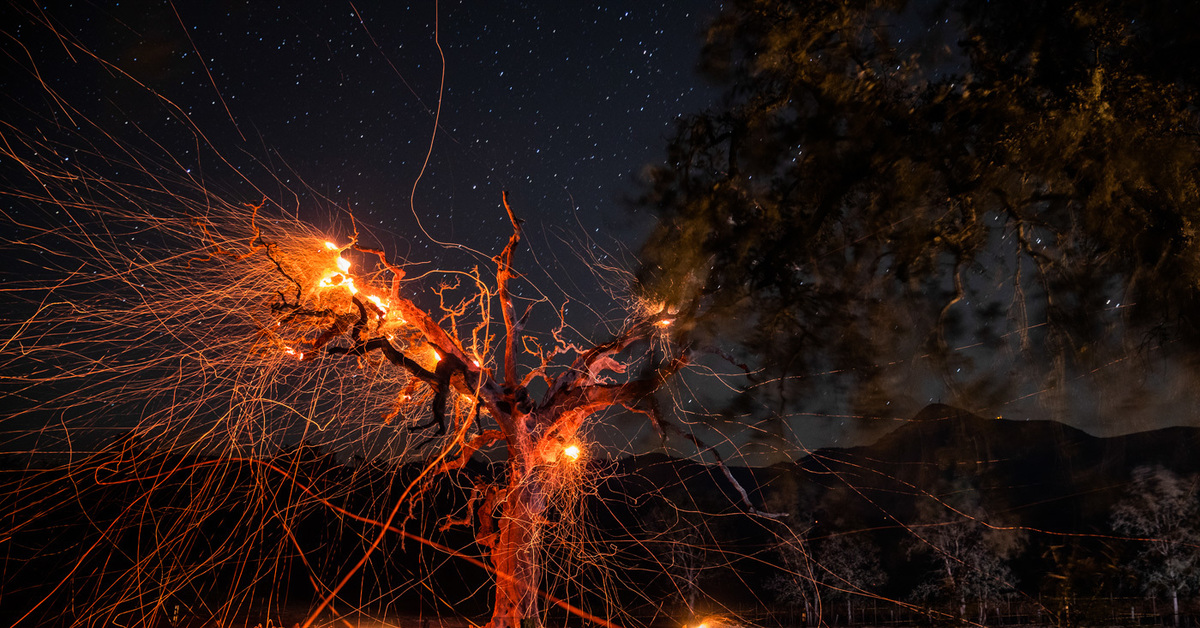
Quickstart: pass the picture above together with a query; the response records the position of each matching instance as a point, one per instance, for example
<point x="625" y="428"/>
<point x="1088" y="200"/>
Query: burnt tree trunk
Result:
<point x="515" y="554"/>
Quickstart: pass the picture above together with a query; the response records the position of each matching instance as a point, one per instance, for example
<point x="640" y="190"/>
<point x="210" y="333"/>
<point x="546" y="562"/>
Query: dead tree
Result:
<point x="622" y="372"/>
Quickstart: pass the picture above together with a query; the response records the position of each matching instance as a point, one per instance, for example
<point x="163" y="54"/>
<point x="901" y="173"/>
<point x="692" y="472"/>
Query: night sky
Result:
<point x="329" y="106"/>
<point x="558" y="103"/>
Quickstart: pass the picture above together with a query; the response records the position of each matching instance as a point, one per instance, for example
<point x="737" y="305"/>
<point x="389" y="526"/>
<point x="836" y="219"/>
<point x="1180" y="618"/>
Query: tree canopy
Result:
<point x="888" y="182"/>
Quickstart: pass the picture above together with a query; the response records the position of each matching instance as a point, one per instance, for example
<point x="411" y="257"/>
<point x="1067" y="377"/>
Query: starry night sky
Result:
<point x="559" y="103"/>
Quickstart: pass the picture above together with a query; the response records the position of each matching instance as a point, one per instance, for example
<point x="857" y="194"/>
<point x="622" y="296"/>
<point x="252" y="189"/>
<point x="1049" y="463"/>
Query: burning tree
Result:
<point x="328" y="310"/>
<point x="253" y="312"/>
<point x="211" y="336"/>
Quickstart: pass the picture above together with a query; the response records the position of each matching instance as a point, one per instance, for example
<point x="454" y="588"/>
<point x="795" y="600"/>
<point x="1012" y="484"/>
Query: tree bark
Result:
<point x="515" y="553"/>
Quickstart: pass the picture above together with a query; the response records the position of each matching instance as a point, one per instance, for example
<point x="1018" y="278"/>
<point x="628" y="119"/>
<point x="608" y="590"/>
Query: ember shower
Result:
<point x="277" y="346"/>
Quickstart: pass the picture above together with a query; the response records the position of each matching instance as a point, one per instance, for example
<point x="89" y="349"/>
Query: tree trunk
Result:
<point x="515" y="554"/>
<point x="1175" y="604"/>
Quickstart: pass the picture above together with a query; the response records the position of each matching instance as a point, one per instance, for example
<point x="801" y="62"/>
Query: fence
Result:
<point x="1018" y="611"/>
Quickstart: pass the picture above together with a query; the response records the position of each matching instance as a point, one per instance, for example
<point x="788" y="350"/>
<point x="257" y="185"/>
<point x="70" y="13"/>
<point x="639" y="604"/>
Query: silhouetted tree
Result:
<point x="883" y="178"/>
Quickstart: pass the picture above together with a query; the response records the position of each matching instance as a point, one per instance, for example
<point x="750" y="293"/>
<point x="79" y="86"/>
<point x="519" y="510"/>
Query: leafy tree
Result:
<point x="1162" y="507"/>
<point x="969" y="555"/>
<point x="837" y="565"/>
<point x="848" y="566"/>
<point x="796" y="586"/>
<point x="872" y="191"/>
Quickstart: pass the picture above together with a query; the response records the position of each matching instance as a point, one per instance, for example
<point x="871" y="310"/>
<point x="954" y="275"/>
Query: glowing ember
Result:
<point x="343" y="264"/>
<point x="377" y="301"/>
<point x="331" y="246"/>
<point x="338" y="279"/>
<point x="572" y="452"/>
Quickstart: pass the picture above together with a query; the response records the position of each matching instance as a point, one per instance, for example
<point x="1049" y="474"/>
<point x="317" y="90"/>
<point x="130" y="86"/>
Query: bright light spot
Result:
<point x="338" y="279"/>
<point x="664" y="323"/>
<point x="332" y="279"/>
<point x="436" y="356"/>
<point x="331" y="246"/>
<point x="572" y="452"/>
<point x="377" y="301"/>
<point x="343" y="264"/>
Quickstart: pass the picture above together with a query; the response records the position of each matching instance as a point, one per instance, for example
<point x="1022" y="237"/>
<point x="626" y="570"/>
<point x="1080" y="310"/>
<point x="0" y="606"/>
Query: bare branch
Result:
<point x="477" y="442"/>
<point x="503" y="274"/>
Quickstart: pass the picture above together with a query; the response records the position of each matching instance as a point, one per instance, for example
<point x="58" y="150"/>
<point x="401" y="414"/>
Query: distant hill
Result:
<point x="1050" y="479"/>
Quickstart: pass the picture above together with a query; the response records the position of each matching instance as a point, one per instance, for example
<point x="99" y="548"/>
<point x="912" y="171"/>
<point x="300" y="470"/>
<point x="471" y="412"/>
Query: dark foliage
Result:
<point x="886" y="179"/>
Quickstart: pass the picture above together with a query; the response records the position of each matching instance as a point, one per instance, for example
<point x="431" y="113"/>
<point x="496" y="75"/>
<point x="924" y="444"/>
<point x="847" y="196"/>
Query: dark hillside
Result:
<point x="1048" y="479"/>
